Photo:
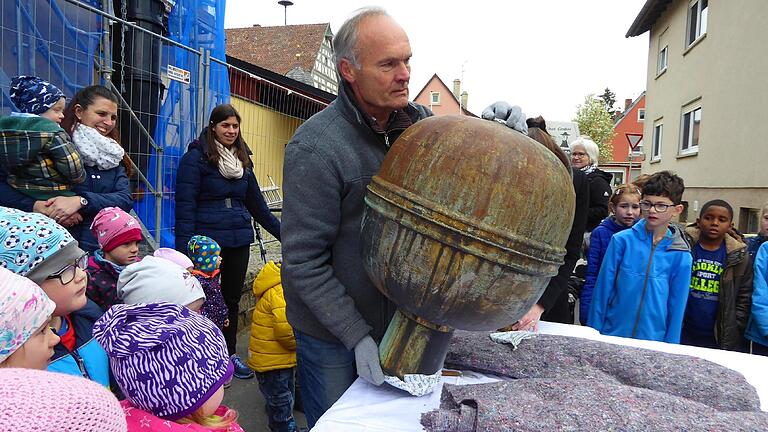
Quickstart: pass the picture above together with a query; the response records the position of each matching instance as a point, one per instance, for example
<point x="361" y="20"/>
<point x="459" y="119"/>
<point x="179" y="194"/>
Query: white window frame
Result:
<point x="656" y="140"/>
<point x="661" y="61"/>
<point x="615" y="171"/>
<point x="687" y="146"/>
<point x="640" y="115"/>
<point x="701" y="15"/>
<point x="432" y="99"/>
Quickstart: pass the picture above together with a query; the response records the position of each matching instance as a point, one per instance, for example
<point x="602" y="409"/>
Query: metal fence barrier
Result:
<point x="166" y="89"/>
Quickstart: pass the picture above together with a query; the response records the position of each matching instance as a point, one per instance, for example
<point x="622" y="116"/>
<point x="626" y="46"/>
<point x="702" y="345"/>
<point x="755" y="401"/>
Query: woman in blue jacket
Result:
<point x="91" y="120"/>
<point x="216" y="196"/>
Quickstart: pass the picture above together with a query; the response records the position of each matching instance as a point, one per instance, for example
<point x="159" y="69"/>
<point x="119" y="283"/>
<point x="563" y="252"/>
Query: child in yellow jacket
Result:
<point x="272" y="349"/>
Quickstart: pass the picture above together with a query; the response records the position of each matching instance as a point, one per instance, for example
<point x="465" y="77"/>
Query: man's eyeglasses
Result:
<point x="67" y="274"/>
<point x="659" y="207"/>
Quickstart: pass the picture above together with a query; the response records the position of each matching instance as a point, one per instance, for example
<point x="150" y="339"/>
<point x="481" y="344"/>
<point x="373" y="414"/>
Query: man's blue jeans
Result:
<point x="325" y="371"/>
<point x="278" y="388"/>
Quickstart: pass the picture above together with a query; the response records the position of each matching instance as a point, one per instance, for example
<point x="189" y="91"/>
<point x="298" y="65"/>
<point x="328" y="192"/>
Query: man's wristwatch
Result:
<point x="83" y="201"/>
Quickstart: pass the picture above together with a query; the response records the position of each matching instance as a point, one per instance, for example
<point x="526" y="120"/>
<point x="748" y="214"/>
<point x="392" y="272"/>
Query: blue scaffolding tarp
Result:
<point x="52" y="39"/>
<point x="198" y="25"/>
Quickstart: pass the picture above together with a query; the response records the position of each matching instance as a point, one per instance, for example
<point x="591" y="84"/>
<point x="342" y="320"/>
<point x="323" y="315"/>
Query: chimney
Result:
<point x="456" y="87"/>
<point x="464" y="97"/>
<point x="627" y="103"/>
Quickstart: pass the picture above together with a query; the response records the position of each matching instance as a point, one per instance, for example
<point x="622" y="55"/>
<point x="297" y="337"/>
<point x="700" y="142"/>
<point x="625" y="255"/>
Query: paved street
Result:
<point x="245" y="397"/>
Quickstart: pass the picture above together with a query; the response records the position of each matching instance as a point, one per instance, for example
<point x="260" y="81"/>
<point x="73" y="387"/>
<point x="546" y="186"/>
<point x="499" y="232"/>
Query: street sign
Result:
<point x="178" y="74"/>
<point x="634" y="139"/>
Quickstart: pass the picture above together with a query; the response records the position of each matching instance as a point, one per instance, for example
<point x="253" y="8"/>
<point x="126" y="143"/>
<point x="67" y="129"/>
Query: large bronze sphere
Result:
<point x="464" y="225"/>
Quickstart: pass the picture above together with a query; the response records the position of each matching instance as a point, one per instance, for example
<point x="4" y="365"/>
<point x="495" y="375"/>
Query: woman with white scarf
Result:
<point x="216" y="196"/>
<point x="91" y="120"/>
<point x="584" y="155"/>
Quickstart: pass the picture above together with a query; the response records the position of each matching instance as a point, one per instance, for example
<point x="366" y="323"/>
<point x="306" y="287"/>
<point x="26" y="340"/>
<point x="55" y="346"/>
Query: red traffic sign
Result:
<point x="634" y="139"/>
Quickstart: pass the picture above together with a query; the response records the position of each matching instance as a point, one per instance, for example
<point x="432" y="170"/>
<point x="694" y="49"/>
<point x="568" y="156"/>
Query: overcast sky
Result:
<point x="544" y="55"/>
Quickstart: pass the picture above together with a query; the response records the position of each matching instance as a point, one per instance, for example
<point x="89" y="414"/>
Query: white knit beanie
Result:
<point x="154" y="280"/>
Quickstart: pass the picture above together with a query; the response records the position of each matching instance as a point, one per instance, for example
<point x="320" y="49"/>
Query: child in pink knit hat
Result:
<point x="26" y="339"/>
<point x="118" y="234"/>
<point x="34" y="400"/>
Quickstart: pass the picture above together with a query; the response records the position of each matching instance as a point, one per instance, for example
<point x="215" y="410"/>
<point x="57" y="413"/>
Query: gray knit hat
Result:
<point x="166" y="359"/>
<point x="154" y="280"/>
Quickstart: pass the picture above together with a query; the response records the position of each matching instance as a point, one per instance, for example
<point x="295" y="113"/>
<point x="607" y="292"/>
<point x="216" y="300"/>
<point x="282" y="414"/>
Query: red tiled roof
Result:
<point x="278" y="48"/>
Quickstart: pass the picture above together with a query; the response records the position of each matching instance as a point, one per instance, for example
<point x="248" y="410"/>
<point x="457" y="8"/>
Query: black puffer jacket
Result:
<point x="599" y="193"/>
<point x="209" y="204"/>
<point x="554" y="300"/>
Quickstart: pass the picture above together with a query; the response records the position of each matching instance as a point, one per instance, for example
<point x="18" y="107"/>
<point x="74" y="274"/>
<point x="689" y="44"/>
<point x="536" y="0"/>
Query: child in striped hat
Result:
<point x="171" y="364"/>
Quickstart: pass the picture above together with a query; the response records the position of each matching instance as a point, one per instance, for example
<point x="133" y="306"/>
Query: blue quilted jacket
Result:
<point x="207" y="203"/>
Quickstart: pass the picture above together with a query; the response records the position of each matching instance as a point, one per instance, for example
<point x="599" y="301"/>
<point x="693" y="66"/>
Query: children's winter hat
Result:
<point x="33" y="95"/>
<point x="24" y="307"/>
<point x="153" y="280"/>
<point x="113" y="227"/>
<point x="174" y="256"/>
<point x="167" y="359"/>
<point x="33" y="245"/>
<point x="204" y="252"/>
<point x="35" y="400"/>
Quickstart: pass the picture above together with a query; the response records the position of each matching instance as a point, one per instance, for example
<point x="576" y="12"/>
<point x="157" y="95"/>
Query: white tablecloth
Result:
<point x="365" y="407"/>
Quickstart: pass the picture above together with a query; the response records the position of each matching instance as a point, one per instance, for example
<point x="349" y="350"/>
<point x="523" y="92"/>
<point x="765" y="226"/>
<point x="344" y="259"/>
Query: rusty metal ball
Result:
<point x="466" y="222"/>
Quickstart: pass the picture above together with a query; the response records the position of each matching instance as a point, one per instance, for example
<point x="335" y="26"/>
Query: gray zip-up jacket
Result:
<point x="329" y="163"/>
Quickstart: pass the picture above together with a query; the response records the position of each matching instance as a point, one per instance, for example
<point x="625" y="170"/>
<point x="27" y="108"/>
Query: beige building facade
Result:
<point x="706" y="97"/>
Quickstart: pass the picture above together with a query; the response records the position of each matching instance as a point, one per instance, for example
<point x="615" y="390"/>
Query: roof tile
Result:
<point x="277" y="48"/>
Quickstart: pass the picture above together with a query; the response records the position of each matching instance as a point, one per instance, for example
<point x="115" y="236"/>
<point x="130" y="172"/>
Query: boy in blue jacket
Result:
<point x="643" y="284"/>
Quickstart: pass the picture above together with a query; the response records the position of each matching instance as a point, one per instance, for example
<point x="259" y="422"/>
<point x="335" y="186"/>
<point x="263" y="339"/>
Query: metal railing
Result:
<point x="75" y="43"/>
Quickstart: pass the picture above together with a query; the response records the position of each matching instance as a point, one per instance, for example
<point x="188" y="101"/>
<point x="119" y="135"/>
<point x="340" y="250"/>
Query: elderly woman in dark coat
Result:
<point x="584" y="155"/>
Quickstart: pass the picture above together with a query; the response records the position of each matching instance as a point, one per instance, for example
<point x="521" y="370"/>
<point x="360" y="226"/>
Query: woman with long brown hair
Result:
<point x="216" y="196"/>
<point x="91" y="120"/>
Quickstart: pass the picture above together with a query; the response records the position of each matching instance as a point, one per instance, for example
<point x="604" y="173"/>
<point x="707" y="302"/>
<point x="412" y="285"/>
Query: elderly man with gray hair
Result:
<point x="337" y="314"/>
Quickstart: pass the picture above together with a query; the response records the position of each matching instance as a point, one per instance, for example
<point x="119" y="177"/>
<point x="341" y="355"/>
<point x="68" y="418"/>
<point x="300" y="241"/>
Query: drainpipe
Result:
<point x="139" y="78"/>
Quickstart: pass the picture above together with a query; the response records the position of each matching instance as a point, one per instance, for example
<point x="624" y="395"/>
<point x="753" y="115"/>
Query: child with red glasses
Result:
<point x="35" y="246"/>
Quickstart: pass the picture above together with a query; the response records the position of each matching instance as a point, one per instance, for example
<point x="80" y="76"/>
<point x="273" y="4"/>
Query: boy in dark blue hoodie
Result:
<point x="721" y="282"/>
